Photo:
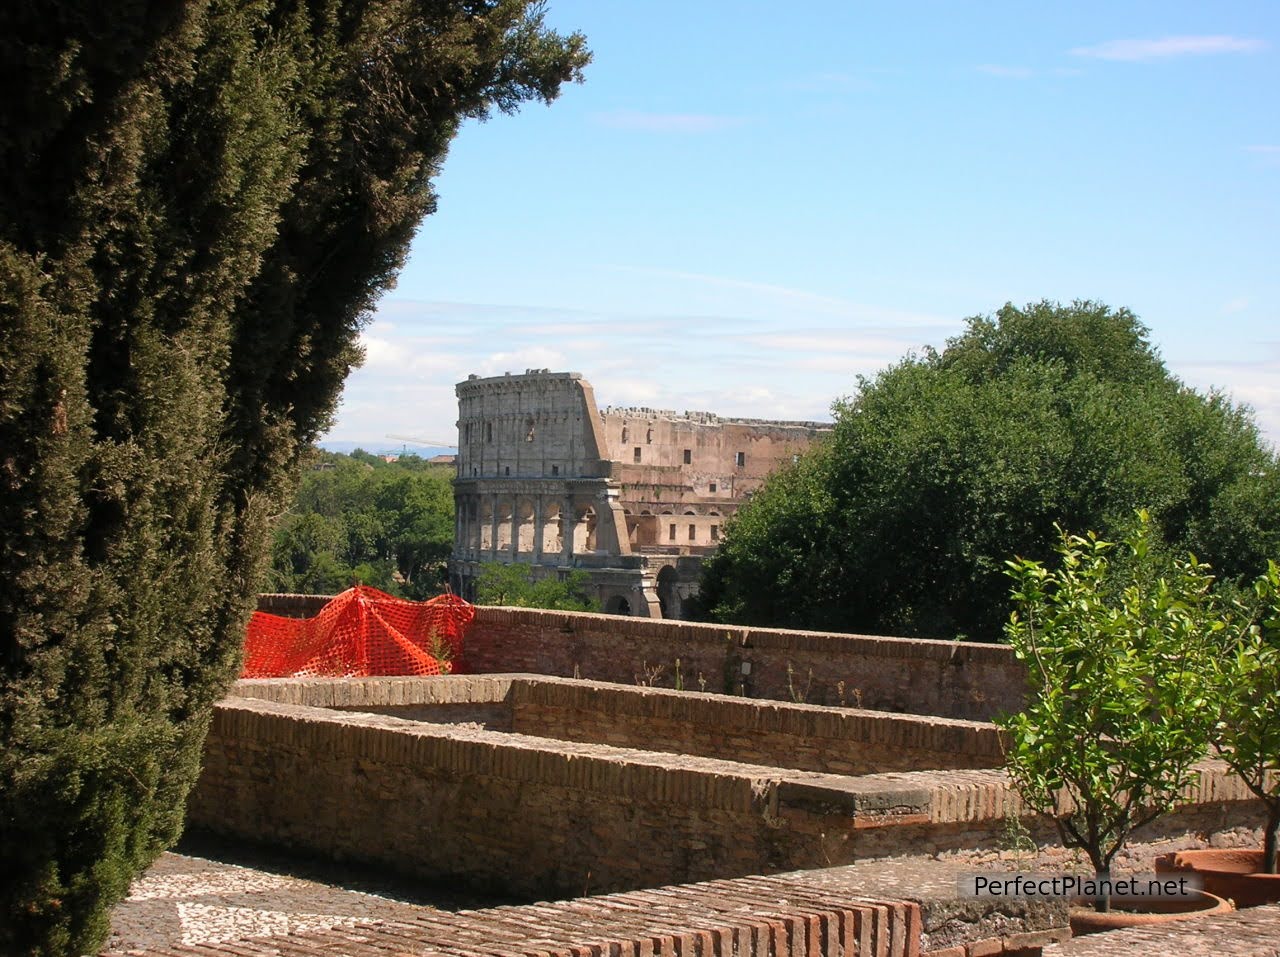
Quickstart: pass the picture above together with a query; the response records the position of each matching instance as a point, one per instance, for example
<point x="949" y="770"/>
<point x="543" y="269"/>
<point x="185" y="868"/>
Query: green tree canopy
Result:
<point x="515" y="586"/>
<point x="943" y="465"/>
<point x="202" y="201"/>
<point x="388" y="524"/>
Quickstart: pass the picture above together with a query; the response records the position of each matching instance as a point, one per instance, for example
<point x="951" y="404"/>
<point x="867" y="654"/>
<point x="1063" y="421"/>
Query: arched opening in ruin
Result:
<point x="552" y="531"/>
<point x="504" y="526"/>
<point x="486" y="525"/>
<point x="668" y="597"/>
<point x="584" y="530"/>
<point x="617" y="605"/>
<point x="525" y="528"/>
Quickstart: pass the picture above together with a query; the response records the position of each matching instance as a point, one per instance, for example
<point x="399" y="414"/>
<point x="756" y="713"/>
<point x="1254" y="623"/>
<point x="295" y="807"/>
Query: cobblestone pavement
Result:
<point x="207" y="893"/>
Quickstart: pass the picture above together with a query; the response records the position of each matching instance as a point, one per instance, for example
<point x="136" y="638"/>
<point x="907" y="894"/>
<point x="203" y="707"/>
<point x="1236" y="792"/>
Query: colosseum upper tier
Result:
<point x="636" y="498"/>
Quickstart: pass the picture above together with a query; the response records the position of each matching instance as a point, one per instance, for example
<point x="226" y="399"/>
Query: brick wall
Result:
<point x="535" y="817"/>
<point x="292" y="606"/>
<point x="771" y="733"/>
<point x="949" y="679"/>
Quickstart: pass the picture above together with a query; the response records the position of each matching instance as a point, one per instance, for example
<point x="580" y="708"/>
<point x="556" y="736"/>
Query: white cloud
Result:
<point x="518" y="360"/>
<point x="1268" y="149"/>
<point x="668" y="122"/>
<point x="372" y="410"/>
<point x="1256" y="383"/>
<point x="380" y="352"/>
<point x="621" y="392"/>
<point x="1166" y="47"/>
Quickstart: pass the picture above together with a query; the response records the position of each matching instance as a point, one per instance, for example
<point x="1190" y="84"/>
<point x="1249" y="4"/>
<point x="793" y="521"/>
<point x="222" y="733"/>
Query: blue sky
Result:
<point x="748" y="204"/>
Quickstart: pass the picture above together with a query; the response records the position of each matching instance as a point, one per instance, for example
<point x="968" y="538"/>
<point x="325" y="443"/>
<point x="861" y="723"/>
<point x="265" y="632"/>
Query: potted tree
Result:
<point x="1247" y="683"/>
<point x="1117" y="714"/>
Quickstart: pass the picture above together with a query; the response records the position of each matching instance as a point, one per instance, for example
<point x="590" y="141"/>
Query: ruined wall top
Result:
<point x="510" y="381"/>
<point x="541" y="424"/>
<point x="708" y="418"/>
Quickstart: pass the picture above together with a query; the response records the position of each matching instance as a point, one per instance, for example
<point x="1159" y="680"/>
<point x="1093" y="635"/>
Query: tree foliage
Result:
<point x="1119" y="709"/>
<point x="945" y="463"/>
<point x="1247" y="680"/>
<point x="358" y="518"/>
<point x="202" y="200"/>
<point x="515" y="586"/>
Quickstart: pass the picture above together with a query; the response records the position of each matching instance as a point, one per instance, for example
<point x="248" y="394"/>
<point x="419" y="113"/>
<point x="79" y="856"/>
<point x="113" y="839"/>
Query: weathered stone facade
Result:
<point x="634" y="497"/>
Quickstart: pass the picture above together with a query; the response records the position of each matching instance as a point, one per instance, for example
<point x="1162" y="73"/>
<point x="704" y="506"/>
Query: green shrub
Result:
<point x="1116" y="646"/>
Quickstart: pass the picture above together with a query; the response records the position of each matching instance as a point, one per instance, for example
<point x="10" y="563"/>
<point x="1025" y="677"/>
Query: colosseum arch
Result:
<point x="584" y="529"/>
<point x="526" y="529"/>
<point x="552" y="528"/>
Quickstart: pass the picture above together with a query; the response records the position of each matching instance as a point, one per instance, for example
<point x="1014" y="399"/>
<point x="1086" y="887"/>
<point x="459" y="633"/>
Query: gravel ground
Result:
<point x="209" y="891"/>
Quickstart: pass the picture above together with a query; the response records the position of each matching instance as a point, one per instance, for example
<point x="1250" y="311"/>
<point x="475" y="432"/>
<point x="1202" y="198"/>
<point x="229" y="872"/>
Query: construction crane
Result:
<point x="420" y="441"/>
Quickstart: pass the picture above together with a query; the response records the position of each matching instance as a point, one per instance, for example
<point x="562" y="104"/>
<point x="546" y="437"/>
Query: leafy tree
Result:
<point x="388" y="525"/>
<point x="945" y="463"/>
<point x="202" y="201"/>
<point x="1119" y="710"/>
<point x="1247" y="679"/>
<point x="515" y="586"/>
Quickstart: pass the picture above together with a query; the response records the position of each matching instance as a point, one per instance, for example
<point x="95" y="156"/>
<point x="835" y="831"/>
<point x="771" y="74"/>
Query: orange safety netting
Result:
<point x="361" y="632"/>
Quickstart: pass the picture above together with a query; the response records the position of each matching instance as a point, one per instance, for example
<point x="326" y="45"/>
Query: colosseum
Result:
<point x="635" y="497"/>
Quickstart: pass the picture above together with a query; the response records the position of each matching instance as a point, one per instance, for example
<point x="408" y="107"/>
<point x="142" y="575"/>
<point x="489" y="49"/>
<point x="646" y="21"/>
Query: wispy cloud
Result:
<point x="668" y="122"/>
<point x="1269" y="150"/>
<point x="1163" y="48"/>
<point x="799" y="297"/>
<point x="1254" y="381"/>
<point x="878" y="343"/>
<point x="1006" y="72"/>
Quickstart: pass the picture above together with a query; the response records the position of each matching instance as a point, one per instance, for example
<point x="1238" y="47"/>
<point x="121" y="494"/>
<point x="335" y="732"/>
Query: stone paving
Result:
<point x="191" y="900"/>
<point x="1247" y="933"/>
<point x="197" y="907"/>
<point x="224" y="900"/>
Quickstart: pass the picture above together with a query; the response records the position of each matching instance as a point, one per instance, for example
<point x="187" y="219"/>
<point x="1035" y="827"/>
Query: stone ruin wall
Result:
<point x="684" y="474"/>
<point x="635" y="498"/>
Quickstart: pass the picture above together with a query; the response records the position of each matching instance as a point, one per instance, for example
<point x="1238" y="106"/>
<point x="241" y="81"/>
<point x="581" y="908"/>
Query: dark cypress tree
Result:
<point x="201" y="201"/>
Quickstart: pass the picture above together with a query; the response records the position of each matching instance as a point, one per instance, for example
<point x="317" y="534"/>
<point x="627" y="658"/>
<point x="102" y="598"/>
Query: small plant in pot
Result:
<point x="1246" y="679"/>
<point x="1117" y="713"/>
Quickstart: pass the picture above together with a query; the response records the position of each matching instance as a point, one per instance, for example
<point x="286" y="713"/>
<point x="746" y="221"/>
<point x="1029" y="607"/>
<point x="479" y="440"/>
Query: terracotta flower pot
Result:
<point x="1139" y="912"/>
<point x="1233" y="873"/>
